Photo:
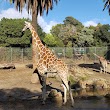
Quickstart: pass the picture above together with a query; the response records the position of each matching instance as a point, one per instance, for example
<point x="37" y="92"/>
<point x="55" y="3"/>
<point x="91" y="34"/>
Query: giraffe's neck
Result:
<point x="36" y="47"/>
<point x="36" y="42"/>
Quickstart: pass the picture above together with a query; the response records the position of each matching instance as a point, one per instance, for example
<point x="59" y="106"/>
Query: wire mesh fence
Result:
<point x="84" y="54"/>
<point x="9" y="55"/>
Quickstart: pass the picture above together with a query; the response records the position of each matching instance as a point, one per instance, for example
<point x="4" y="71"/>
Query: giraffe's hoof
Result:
<point x="43" y="102"/>
<point x="64" y="103"/>
<point x="72" y="105"/>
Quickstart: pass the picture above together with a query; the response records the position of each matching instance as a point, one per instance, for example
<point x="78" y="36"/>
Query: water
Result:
<point x="84" y="100"/>
<point x="80" y="104"/>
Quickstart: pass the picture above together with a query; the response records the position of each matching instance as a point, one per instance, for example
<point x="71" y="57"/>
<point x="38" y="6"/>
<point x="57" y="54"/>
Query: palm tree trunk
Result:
<point x="34" y="23"/>
<point x="34" y="17"/>
<point x="34" y="78"/>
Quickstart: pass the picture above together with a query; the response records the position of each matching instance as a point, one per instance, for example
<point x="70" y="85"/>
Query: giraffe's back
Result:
<point x="51" y="63"/>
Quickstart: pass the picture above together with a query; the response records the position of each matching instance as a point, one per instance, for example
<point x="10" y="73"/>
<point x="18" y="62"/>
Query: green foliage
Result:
<point x="64" y="32"/>
<point x="40" y="32"/>
<point x="50" y="40"/>
<point x="71" y="33"/>
<point x="85" y="37"/>
<point x="72" y="80"/>
<point x="72" y="21"/>
<point x="56" y="30"/>
<point x="102" y="35"/>
<point x="11" y="33"/>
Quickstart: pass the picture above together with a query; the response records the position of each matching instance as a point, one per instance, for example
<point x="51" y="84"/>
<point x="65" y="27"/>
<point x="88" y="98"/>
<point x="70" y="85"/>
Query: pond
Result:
<point x="84" y="100"/>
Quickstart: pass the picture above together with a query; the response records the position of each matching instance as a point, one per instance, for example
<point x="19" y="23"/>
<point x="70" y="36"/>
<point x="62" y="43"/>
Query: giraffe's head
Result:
<point x="27" y="25"/>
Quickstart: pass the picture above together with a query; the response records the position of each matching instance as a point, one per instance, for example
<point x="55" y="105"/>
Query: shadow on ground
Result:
<point x="23" y="99"/>
<point x="95" y="66"/>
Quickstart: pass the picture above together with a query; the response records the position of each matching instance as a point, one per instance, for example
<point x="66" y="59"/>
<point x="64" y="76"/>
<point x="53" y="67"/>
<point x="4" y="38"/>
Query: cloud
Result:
<point x="13" y="13"/>
<point x="44" y="25"/>
<point x="90" y="23"/>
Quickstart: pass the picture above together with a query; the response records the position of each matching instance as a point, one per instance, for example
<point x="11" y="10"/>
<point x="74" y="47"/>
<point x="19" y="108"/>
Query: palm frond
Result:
<point x="107" y="5"/>
<point x="41" y="5"/>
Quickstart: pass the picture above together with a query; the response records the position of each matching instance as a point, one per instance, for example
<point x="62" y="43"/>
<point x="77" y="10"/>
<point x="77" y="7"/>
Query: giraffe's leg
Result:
<point x="65" y="93"/>
<point x="39" y="76"/>
<point x="104" y="69"/>
<point x="100" y="69"/>
<point x="44" y="90"/>
<point x="70" y="92"/>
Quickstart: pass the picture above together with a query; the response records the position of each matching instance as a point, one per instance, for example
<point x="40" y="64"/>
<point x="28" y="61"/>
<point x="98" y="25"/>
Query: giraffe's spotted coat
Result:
<point x="45" y="61"/>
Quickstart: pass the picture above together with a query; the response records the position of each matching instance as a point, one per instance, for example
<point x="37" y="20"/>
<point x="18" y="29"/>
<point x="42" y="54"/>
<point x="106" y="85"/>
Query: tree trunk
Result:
<point x="34" y="17"/>
<point x="34" y="78"/>
<point x="34" y="23"/>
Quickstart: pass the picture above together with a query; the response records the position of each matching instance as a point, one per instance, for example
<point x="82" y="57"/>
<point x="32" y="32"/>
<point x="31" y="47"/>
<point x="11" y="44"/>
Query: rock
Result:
<point x="55" y="95"/>
<point x="29" y="66"/>
<point x="93" y="84"/>
<point x="100" y="84"/>
<point x="81" y="84"/>
<point x="85" y="84"/>
<point x="107" y="96"/>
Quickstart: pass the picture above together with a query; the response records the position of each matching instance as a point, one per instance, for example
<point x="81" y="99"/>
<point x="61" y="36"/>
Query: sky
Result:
<point x="88" y="12"/>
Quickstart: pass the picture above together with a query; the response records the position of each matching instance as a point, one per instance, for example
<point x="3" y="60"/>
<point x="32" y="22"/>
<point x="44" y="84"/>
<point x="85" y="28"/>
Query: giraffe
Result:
<point x="103" y="63"/>
<point x="48" y="62"/>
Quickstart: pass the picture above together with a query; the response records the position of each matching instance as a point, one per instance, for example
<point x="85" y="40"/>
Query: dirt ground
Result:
<point x="19" y="81"/>
<point x="17" y="78"/>
<point x="16" y="84"/>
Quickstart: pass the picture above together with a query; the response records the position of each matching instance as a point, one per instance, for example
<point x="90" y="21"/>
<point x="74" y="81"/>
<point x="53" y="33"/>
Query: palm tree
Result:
<point x="107" y="5"/>
<point x="35" y="7"/>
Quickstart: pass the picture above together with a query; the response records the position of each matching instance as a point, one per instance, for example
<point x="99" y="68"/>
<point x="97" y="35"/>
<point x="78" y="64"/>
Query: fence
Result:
<point x="8" y="55"/>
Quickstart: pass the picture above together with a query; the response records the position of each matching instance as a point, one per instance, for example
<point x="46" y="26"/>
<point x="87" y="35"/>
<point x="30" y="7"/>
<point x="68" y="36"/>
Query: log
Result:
<point x="7" y="66"/>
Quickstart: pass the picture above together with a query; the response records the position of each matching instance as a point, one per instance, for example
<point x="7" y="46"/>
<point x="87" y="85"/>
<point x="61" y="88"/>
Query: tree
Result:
<point x="11" y="34"/>
<point x="64" y="32"/>
<point x="56" y="30"/>
<point x="67" y="33"/>
<point x="72" y="21"/>
<point x="35" y="7"/>
<point x="50" y="40"/>
<point x="102" y="35"/>
<point x="107" y="5"/>
<point x="85" y="37"/>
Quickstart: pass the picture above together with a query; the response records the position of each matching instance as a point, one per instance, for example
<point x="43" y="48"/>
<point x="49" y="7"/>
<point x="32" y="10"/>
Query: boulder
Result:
<point x="55" y="95"/>
<point x="107" y="96"/>
<point x="93" y="84"/>
<point x="29" y="66"/>
<point x="85" y="84"/>
<point x="100" y="84"/>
